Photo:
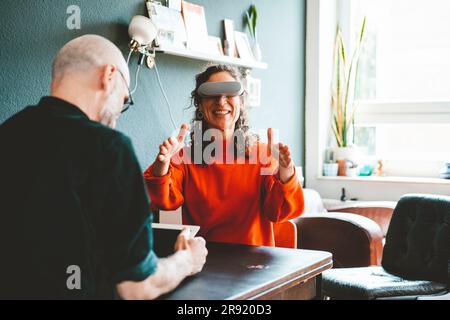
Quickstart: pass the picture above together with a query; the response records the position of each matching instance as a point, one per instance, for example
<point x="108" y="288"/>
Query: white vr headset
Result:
<point x="219" y="89"/>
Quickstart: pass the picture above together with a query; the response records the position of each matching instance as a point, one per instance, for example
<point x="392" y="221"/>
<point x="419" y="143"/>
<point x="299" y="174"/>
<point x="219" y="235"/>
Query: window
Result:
<point x="418" y="150"/>
<point x="407" y="49"/>
<point x="403" y="87"/>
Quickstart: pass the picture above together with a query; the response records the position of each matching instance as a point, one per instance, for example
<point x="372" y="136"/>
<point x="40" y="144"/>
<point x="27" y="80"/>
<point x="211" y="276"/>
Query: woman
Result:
<point x="236" y="201"/>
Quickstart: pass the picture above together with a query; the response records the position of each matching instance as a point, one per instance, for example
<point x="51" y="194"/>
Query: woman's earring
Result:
<point x="200" y="115"/>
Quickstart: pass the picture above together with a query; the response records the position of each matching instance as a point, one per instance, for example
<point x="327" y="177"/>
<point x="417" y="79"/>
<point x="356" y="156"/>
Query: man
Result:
<point x="73" y="202"/>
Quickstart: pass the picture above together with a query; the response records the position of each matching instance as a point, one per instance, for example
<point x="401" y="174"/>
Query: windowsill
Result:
<point x="419" y="180"/>
<point x="334" y="204"/>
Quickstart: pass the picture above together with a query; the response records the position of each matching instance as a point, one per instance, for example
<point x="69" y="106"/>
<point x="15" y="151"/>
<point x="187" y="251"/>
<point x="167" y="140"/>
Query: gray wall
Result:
<point x="32" y="31"/>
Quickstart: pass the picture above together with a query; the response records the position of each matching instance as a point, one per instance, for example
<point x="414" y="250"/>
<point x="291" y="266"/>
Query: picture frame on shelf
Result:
<point x="253" y="88"/>
<point x="174" y="4"/>
<point x="215" y="46"/>
<point x="196" y="28"/>
<point x="170" y="24"/>
<point x="230" y="43"/>
<point x="243" y="46"/>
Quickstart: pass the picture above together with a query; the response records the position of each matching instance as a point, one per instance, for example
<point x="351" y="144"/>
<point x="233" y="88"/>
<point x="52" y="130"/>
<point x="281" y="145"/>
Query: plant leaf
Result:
<point x="252" y="17"/>
<point x="351" y="78"/>
<point x="255" y="20"/>
<point x="352" y="118"/>
<point x="336" y="135"/>
<point x="342" y="45"/>
<point x="249" y="25"/>
<point x="337" y="61"/>
<point x="363" y="29"/>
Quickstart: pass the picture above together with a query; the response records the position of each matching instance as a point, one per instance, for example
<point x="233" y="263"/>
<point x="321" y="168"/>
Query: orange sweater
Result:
<point x="230" y="202"/>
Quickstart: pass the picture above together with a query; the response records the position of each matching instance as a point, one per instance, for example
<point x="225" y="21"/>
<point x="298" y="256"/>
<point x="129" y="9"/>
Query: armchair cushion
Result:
<point x="374" y="282"/>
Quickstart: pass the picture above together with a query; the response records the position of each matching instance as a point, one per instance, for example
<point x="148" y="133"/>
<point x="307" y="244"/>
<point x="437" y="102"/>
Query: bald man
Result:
<point x="74" y="212"/>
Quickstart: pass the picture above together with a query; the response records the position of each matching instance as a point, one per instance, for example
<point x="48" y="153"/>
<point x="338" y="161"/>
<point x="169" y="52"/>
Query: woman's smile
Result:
<point x="222" y="112"/>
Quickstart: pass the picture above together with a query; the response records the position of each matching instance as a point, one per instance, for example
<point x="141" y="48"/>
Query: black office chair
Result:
<point x="416" y="257"/>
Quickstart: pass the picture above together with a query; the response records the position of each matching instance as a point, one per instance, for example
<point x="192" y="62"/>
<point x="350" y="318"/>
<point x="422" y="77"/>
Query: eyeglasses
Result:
<point x="129" y="101"/>
<point x="229" y="98"/>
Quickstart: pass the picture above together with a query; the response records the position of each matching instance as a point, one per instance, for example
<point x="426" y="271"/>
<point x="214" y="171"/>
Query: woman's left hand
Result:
<point x="282" y="153"/>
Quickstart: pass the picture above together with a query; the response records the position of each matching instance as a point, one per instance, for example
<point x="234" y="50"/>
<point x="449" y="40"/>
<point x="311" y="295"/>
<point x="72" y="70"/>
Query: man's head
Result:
<point x="91" y="73"/>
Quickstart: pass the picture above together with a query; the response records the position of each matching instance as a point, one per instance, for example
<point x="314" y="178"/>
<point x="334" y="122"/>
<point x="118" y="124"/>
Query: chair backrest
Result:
<point x="418" y="239"/>
<point x="378" y="211"/>
<point x="285" y="234"/>
<point x="313" y="202"/>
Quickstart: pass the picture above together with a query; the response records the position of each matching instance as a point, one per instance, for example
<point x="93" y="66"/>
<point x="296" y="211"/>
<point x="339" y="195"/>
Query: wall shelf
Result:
<point x="180" y="52"/>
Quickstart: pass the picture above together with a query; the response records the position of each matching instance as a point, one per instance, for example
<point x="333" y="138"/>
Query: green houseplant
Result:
<point x="343" y="90"/>
<point x="252" y="19"/>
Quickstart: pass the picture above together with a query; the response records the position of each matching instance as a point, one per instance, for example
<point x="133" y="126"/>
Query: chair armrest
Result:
<point x="378" y="211"/>
<point x="354" y="241"/>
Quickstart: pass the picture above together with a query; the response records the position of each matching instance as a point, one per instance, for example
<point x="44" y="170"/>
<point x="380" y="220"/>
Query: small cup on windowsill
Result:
<point x="352" y="172"/>
<point x="330" y="169"/>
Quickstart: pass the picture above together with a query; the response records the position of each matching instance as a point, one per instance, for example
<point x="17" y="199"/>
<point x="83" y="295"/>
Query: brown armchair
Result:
<point x="378" y="211"/>
<point x="354" y="239"/>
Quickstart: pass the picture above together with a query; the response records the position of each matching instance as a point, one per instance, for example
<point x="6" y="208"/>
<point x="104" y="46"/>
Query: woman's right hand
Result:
<point x="167" y="150"/>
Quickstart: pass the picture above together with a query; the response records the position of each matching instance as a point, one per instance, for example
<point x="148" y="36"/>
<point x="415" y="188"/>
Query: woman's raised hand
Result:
<point x="172" y="146"/>
<point x="282" y="153"/>
<point x="167" y="150"/>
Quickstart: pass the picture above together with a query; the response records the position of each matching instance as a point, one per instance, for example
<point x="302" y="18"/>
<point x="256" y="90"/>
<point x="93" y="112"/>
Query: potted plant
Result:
<point x="343" y="92"/>
<point x="252" y="19"/>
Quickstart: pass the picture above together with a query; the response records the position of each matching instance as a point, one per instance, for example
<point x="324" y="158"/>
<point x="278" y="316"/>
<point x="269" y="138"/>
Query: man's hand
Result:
<point x="189" y="259"/>
<point x="167" y="150"/>
<point x="196" y="249"/>
<point x="281" y="152"/>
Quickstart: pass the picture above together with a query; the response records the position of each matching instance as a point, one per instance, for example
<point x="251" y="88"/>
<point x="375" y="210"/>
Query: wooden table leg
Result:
<point x="319" y="295"/>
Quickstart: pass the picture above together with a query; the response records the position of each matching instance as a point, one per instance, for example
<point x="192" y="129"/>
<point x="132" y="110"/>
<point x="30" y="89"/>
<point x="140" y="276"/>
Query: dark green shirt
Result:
<point x="71" y="194"/>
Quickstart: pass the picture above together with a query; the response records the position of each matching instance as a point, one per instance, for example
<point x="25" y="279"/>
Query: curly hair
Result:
<point x="242" y="124"/>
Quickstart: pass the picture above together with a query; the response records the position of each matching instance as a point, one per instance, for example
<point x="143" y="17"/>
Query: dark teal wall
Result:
<point x="32" y="31"/>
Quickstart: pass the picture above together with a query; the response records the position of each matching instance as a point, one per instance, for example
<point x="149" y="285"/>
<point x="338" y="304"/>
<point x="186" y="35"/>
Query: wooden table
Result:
<point x="236" y="272"/>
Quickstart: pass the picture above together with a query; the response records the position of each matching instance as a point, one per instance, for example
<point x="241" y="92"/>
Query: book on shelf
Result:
<point x="243" y="46"/>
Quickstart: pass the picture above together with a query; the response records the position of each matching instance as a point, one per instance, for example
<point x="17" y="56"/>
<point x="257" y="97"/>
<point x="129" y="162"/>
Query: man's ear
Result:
<point x="107" y="73"/>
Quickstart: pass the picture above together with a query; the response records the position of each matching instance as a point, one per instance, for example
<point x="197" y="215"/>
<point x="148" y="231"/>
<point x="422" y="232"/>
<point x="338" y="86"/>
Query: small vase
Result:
<point x="347" y="153"/>
<point x="257" y="51"/>
<point x="347" y="158"/>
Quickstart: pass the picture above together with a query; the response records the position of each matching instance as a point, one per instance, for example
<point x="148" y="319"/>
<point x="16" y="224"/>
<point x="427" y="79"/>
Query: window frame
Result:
<point x="381" y="112"/>
<point x="322" y="18"/>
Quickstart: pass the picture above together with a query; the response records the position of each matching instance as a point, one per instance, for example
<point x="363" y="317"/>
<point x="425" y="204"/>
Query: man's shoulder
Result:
<point x="16" y="118"/>
<point x="78" y="129"/>
<point x="107" y="137"/>
<point x="101" y="131"/>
